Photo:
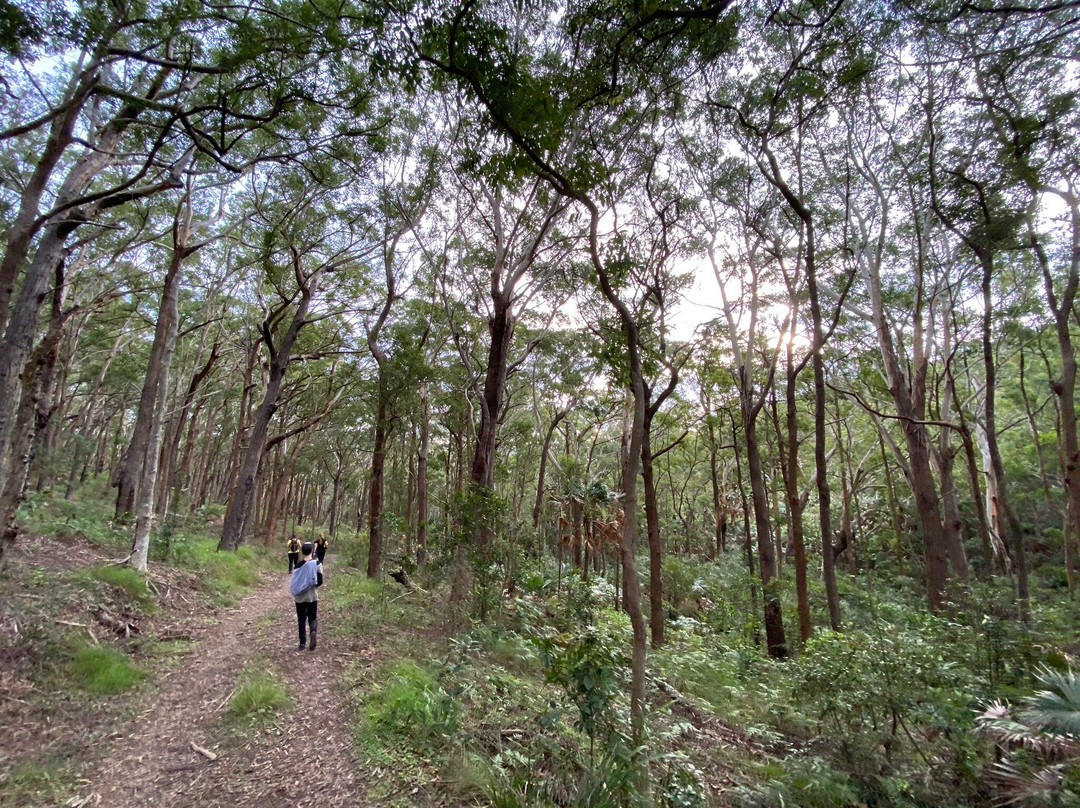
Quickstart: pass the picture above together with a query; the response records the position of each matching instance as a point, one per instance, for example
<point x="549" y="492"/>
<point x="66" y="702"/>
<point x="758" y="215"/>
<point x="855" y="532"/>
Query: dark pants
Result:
<point x="306" y="613"/>
<point x="294" y="561"/>
<point x="320" y="553"/>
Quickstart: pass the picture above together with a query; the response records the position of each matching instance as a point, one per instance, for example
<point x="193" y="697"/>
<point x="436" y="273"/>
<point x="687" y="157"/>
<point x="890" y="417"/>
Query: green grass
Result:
<point x="129" y="580"/>
<point x="259" y="697"/>
<point x="98" y="669"/>
<point x="411" y="704"/>
<point x="34" y="782"/>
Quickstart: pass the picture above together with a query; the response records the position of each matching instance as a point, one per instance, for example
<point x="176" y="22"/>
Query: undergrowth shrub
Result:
<point x="227" y="572"/>
<point x="591" y="671"/>
<point x="128" y="579"/>
<point x="98" y="669"/>
<point x="884" y="703"/>
<point x="87" y="515"/>
<point x="411" y="705"/>
<point x="807" y="782"/>
<point x="515" y="780"/>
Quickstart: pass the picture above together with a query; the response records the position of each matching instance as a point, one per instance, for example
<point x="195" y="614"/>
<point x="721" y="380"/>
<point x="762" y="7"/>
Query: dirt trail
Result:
<point x="304" y="759"/>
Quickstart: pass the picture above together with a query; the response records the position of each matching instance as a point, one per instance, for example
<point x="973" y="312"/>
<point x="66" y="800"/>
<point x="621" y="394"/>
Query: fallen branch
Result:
<point x="403" y="578"/>
<point x="206" y="753"/>
<point x="70" y="623"/>
<point x="222" y="702"/>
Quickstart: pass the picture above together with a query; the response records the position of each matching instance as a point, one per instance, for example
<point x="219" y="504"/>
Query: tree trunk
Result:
<point x="422" y="477"/>
<point x="130" y="476"/>
<point x="152" y="448"/>
<point x="997" y="468"/>
<point x="171" y="449"/>
<point x="652" y="523"/>
<point x="238" y="513"/>
<point x="375" y="498"/>
<point x="1064" y="388"/>
<point x="34" y="407"/>
<point x="774" y="619"/>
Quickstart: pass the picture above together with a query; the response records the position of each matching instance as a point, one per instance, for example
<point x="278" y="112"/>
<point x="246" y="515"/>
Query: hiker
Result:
<point x="320" y="548"/>
<point x="294" y="552"/>
<point x="304" y="586"/>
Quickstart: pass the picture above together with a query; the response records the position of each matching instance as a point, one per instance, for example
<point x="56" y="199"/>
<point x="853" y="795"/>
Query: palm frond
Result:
<point x="1016" y="785"/>
<point x="1056" y="709"/>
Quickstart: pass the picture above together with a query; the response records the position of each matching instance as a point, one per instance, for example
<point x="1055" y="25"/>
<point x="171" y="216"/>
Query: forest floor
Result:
<point x="176" y="738"/>
<point x="173" y="741"/>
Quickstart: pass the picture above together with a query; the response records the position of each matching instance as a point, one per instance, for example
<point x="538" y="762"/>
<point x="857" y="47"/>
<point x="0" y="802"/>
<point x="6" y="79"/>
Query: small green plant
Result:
<point x="98" y="669"/>
<point x="127" y="579"/>
<point x="805" y="782"/>
<point x="259" y="697"/>
<point x="31" y="782"/>
<point x="681" y="783"/>
<point x="412" y="704"/>
<point x="588" y="669"/>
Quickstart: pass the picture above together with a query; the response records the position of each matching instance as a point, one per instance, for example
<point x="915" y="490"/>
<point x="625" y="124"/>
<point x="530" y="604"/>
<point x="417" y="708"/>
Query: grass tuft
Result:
<point x="127" y="579"/>
<point x="102" y="670"/>
<point x="259" y="698"/>
<point x="412" y="704"/>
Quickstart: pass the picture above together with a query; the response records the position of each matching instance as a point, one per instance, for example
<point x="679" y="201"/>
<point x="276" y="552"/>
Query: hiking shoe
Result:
<point x="312" y="648"/>
<point x="300" y="647"/>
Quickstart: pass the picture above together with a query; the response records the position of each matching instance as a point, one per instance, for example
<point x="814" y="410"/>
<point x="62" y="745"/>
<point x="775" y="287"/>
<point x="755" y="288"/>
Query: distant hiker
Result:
<point x="294" y="552"/>
<point x="304" y="586"/>
<point x="320" y="548"/>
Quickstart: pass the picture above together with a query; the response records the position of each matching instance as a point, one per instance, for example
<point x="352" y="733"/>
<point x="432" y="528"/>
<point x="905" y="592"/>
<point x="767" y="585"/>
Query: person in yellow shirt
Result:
<point x="294" y="552"/>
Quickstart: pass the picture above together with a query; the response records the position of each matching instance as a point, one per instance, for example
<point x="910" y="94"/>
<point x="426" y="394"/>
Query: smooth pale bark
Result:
<point x="377" y="485"/>
<point x="1015" y="534"/>
<point x="145" y="503"/>
<point x="131" y="475"/>
<point x="943" y="455"/>
<point x="908" y="391"/>
<point x="26" y="225"/>
<point x="335" y="499"/>
<point x="238" y="513"/>
<point x="1064" y="387"/>
<point x="243" y="415"/>
<point x="53" y="236"/>
<point x="171" y="448"/>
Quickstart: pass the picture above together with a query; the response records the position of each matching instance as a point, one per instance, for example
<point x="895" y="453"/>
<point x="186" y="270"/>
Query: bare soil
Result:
<point x="173" y="742"/>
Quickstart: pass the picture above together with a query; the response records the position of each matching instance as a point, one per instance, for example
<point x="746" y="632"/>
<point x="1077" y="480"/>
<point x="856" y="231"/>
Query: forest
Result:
<point x="697" y="377"/>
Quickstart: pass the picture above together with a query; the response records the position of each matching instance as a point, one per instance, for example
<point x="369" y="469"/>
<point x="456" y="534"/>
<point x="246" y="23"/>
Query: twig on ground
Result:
<point x="206" y="753"/>
<point x="222" y="702"/>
